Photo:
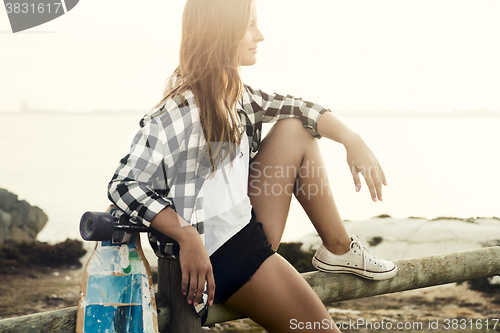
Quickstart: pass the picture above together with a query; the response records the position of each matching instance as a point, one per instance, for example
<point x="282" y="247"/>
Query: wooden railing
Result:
<point x="179" y="317"/>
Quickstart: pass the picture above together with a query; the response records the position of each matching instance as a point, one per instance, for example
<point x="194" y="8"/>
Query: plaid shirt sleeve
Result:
<point x="162" y="168"/>
<point x="273" y="107"/>
<point x="260" y="107"/>
<point x="138" y="186"/>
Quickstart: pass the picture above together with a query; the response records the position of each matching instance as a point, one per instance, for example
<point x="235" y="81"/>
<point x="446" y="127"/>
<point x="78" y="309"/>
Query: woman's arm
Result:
<point x="140" y="189"/>
<point x="319" y="121"/>
<point x="193" y="257"/>
<point x="138" y="186"/>
<point x="359" y="157"/>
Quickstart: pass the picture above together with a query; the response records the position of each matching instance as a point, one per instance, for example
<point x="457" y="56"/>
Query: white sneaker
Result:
<point x="358" y="260"/>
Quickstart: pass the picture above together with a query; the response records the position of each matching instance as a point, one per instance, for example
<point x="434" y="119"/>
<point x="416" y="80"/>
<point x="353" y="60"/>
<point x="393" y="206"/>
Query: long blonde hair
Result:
<point x="209" y="67"/>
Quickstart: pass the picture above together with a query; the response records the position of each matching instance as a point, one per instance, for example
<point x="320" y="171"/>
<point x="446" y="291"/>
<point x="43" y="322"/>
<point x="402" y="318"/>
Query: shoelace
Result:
<point x="355" y="242"/>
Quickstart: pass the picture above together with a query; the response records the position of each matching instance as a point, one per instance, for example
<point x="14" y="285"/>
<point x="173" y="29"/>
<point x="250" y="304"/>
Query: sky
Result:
<point x="423" y="55"/>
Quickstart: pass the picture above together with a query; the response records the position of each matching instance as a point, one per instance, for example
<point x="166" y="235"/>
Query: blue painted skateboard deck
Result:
<point x="117" y="292"/>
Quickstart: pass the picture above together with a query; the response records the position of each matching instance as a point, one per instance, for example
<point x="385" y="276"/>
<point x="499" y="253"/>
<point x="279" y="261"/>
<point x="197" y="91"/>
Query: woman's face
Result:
<point x="248" y="47"/>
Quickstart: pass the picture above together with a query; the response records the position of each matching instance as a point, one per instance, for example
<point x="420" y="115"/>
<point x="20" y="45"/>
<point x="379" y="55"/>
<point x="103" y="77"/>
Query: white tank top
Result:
<point x="226" y="205"/>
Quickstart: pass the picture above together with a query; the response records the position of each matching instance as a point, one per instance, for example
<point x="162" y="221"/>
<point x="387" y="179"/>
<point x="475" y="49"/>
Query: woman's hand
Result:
<point x="361" y="160"/>
<point x="196" y="268"/>
<point x="359" y="157"/>
<point x="195" y="263"/>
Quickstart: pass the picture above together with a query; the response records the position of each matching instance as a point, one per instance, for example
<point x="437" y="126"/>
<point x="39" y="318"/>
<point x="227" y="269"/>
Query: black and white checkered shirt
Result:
<point x="163" y="166"/>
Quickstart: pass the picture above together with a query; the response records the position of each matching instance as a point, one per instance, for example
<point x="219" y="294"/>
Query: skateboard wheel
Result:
<point x="97" y="226"/>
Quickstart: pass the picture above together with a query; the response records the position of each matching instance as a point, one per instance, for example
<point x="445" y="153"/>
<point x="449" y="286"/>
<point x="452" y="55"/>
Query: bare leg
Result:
<point x="280" y="300"/>
<point x="275" y="175"/>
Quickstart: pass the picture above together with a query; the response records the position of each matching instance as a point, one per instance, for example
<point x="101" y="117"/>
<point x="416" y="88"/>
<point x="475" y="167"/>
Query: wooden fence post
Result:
<point x="183" y="317"/>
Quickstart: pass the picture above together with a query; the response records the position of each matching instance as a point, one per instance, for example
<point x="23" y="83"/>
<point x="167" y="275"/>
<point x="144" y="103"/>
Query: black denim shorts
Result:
<point x="237" y="260"/>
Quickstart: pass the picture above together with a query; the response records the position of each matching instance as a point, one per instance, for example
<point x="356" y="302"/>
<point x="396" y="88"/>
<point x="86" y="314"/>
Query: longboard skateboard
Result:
<point x="117" y="292"/>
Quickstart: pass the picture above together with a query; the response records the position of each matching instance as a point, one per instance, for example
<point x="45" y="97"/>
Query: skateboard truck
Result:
<point x="99" y="226"/>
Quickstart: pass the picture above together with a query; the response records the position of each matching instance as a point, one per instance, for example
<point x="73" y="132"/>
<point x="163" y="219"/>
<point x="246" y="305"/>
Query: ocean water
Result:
<point x="62" y="163"/>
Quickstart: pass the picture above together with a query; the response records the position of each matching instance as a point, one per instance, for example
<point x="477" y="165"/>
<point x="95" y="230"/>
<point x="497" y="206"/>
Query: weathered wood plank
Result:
<point x="61" y="321"/>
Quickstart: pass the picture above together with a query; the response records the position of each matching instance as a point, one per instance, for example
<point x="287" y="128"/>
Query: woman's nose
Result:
<point x="259" y="37"/>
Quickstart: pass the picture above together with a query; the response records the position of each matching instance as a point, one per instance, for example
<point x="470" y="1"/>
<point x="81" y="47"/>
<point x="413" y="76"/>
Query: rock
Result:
<point x="19" y="221"/>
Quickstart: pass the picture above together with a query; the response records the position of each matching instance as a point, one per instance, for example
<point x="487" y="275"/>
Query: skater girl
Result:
<point x="199" y="173"/>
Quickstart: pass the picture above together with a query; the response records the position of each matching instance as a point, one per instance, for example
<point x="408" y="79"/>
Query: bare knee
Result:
<point x="290" y="123"/>
<point x="286" y="143"/>
<point x="292" y="128"/>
